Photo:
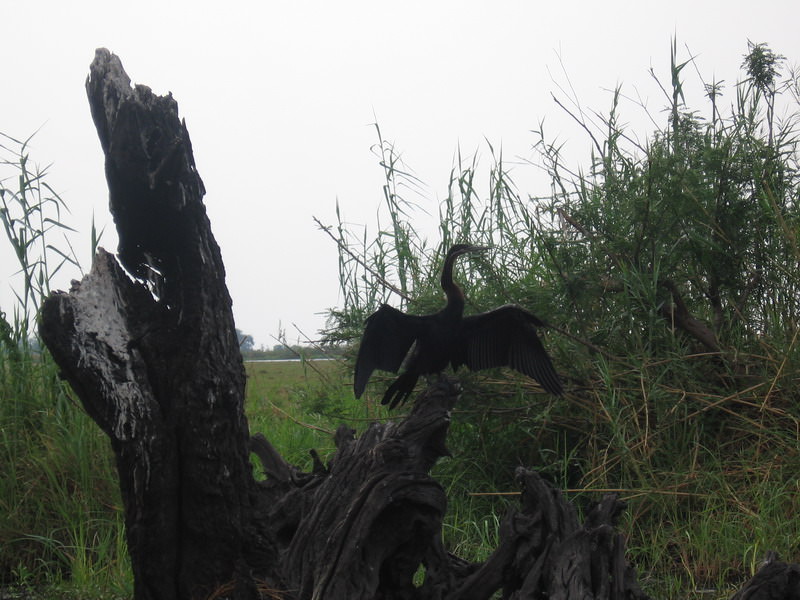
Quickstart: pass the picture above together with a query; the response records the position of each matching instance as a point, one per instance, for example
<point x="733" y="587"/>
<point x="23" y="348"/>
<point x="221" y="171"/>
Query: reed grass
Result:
<point x="61" y="532"/>
<point x="700" y="435"/>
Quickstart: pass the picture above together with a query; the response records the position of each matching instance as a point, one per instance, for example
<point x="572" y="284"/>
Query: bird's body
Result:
<point x="427" y="344"/>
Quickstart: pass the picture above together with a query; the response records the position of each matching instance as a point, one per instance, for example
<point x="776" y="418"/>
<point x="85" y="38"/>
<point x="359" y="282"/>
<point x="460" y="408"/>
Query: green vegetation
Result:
<point x="294" y="404"/>
<point x="291" y="352"/>
<point x="60" y="518"/>
<point x="669" y="268"/>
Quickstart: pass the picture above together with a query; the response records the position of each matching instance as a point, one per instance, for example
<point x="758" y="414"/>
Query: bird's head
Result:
<point x="451" y="289"/>
<point x="460" y="249"/>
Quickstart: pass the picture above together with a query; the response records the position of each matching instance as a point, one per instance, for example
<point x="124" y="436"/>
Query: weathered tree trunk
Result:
<point x="159" y="369"/>
<point x="155" y="361"/>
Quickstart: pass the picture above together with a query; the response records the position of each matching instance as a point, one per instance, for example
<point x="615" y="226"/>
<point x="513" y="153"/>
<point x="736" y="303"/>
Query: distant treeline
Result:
<point x="283" y="352"/>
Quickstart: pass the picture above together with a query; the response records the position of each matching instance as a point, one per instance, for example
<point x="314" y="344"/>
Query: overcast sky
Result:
<point x="280" y="98"/>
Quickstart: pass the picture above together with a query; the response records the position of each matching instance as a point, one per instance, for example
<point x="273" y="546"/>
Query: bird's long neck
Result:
<point x="455" y="297"/>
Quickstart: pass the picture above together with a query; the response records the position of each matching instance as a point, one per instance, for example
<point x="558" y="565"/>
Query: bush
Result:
<point x="670" y="271"/>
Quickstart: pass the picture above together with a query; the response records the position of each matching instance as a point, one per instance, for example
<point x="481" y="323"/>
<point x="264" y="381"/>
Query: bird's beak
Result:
<point x="480" y="248"/>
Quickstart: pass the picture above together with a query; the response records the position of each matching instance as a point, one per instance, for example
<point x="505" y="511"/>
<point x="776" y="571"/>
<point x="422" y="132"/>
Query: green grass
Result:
<point x="277" y="396"/>
<point x="667" y="261"/>
<point x="61" y="529"/>
<point x="298" y="405"/>
<point x="701" y="525"/>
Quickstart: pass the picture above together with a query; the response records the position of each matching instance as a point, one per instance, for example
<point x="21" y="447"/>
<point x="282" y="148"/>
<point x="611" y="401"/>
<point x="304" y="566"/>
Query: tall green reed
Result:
<point x="668" y="267"/>
<point x="60" y="519"/>
<point x="31" y="213"/>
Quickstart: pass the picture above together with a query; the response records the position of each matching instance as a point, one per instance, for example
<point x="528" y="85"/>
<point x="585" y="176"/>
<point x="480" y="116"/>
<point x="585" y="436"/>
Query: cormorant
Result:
<point x="503" y="337"/>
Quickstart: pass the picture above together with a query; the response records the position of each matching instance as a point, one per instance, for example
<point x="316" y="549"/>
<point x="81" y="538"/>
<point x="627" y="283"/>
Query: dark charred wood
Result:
<point x="378" y="507"/>
<point x="545" y="553"/>
<point x="775" y="580"/>
<point x="155" y="360"/>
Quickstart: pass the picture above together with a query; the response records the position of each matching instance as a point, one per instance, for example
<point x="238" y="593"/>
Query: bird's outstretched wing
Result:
<point x="388" y="337"/>
<point x="506" y="337"/>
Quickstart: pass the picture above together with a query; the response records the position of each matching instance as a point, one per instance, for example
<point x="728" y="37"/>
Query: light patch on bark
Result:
<point x="100" y="322"/>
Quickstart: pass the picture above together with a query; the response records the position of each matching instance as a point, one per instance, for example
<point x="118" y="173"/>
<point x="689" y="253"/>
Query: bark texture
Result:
<point x="155" y="360"/>
<point x="775" y="580"/>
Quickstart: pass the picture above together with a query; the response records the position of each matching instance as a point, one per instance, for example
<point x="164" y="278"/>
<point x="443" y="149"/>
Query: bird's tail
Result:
<point x="400" y="390"/>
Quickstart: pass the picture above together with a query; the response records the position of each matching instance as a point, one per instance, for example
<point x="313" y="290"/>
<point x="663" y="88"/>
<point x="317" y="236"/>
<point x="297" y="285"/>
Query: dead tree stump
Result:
<point x="147" y="342"/>
<point x="155" y="361"/>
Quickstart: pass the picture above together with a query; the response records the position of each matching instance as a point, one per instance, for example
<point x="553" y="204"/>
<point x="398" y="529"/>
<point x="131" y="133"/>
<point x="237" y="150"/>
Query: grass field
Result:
<point x="694" y="531"/>
<point x="278" y="394"/>
<point x="688" y="532"/>
<point x="298" y="406"/>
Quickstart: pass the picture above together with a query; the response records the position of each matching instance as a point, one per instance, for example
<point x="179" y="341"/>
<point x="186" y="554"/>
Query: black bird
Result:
<point x="426" y="344"/>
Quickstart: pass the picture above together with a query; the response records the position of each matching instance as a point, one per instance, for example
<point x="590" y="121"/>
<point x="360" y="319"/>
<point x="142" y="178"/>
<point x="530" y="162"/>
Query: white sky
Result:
<point x="279" y="98"/>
